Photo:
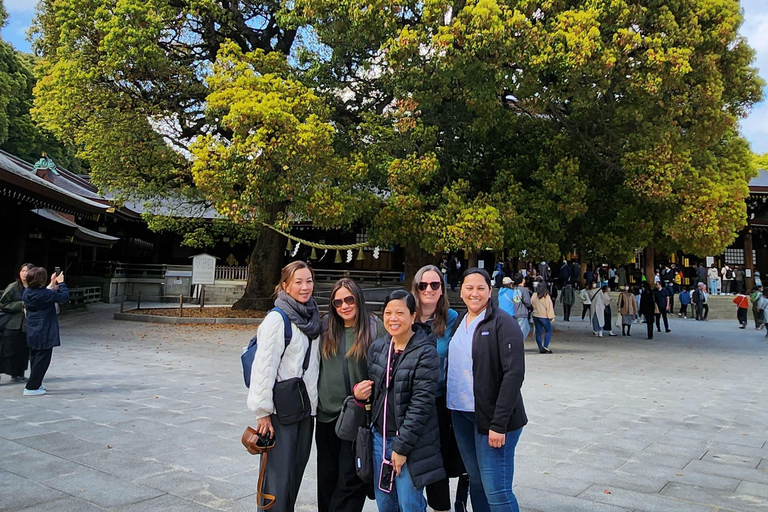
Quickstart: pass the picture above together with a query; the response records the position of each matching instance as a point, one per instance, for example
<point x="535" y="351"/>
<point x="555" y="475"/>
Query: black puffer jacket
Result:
<point x="415" y="383"/>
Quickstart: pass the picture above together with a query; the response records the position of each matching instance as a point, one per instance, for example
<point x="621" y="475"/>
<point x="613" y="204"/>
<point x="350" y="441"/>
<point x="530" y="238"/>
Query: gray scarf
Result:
<point x="305" y="316"/>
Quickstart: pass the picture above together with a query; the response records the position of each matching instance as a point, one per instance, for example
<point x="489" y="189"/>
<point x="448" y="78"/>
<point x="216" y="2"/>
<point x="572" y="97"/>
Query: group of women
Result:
<point x="29" y="326"/>
<point x="444" y="392"/>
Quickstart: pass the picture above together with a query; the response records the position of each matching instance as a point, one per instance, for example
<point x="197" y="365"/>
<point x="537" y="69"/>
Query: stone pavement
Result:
<point x="143" y="417"/>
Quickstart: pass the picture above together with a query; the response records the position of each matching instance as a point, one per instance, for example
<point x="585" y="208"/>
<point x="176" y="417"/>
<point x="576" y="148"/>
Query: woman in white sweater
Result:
<point x="276" y="363"/>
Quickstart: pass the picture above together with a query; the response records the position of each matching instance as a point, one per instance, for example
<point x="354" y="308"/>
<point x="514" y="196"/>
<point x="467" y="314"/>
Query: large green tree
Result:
<point x="599" y="124"/>
<point x="538" y="126"/>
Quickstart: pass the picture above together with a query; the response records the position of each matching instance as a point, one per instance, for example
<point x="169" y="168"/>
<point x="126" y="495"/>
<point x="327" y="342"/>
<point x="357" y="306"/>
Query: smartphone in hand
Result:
<point x="386" y="476"/>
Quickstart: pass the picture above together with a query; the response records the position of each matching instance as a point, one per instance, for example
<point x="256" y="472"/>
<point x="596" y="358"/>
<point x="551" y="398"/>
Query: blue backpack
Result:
<point x="249" y="353"/>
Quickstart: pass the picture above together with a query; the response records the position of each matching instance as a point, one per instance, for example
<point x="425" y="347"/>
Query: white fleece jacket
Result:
<point x="269" y="368"/>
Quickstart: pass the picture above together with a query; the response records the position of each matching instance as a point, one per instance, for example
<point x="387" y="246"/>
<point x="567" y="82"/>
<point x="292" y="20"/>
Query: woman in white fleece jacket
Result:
<point x="274" y="362"/>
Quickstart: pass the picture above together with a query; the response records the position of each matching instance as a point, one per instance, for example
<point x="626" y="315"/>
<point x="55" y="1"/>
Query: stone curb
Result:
<point x="134" y="317"/>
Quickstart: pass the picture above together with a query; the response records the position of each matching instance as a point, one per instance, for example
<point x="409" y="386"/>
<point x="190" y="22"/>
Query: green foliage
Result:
<point x="761" y="161"/>
<point x="605" y="125"/>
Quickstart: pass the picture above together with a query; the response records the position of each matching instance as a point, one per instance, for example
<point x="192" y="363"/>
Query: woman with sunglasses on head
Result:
<point x="404" y="367"/>
<point x="348" y="331"/>
<point x="276" y="363"/>
<point x="432" y="309"/>
<point x="14" y="351"/>
<point x="486" y="368"/>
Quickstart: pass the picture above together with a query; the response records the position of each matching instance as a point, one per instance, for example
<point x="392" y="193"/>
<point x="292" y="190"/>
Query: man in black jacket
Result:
<point x="486" y="368"/>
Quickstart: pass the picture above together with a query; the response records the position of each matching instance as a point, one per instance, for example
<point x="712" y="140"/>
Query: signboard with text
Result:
<point x="203" y="269"/>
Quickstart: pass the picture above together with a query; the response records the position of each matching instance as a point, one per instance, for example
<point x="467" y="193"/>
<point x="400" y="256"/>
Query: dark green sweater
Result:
<point x="331" y="390"/>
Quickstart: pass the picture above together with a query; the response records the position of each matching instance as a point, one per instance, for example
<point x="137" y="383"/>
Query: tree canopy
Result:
<point x="604" y="125"/>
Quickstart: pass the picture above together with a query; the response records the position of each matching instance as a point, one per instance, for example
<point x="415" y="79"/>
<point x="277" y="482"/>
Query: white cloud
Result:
<point x="19" y="6"/>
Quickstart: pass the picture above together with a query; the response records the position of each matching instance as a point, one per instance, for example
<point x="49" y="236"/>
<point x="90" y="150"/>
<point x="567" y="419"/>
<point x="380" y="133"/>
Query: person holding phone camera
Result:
<point x="283" y="390"/>
<point x="404" y="367"/>
<point x="42" y="323"/>
<point x="486" y="368"/>
<point x="348" y="331"/>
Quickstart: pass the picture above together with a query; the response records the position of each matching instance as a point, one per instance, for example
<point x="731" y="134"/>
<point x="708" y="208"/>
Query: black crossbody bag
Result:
<point x="291" y="398"/>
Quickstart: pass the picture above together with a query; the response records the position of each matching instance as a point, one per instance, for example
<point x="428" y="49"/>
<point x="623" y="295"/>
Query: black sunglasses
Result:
<point x="435" y="285"/>
<point x="349" y="300"/>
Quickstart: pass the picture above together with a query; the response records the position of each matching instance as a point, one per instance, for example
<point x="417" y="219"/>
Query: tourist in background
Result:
<point x="607" y="313"/>
<point x="685" y="300"/>
<point x="486" y="368"/>
<point x="14" y="351"/>
<point x="648" y="308"/>
<point x="589" y="278"/>
<point x="432" y="309"/>
<point x="597" y="309"/>
<point x="42" y="323"/>
<point x="405" y="369"/>
<point x="567" y="298"/>
<point x="565" y="274"/>
<point x="275" y="362"/>
<point x="575" y="274"/>
<point x="742" y="305"/>
<point x="754" y="299"/>
<point x="661" y="298"/>
<point x="586" y="304"/>
<point x="348" y="330"/>
<point x="727" y="275"/>
<point x="627" y="309"/>
<point x="713" y="279"/>
<point x="637" y="291"/>
<point x="739" y="278"/>
<point x="522" y="300"/>
<point x="543" y="316"/>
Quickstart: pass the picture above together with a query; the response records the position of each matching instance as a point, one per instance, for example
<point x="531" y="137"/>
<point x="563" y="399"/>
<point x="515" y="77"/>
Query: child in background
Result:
<point x="742" y="302"/>
<point x="685" y="300"/>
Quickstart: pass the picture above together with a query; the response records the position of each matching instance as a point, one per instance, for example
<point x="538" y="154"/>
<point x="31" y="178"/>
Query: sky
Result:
<point x="755" y="29"/>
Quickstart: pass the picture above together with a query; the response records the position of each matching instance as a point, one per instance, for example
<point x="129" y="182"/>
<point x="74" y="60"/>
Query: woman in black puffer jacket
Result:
<point x="406" y="359"/>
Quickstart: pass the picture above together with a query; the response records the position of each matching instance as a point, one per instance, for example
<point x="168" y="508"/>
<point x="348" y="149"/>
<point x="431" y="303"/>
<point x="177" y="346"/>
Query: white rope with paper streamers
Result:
<point x="349" y="255"/>
<point x="295" y="249"/>
<point x="376" y="252"/>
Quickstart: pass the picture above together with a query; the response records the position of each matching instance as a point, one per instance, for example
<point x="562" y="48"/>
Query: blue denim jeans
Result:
<point x="490" y="469"/>
<point x="524" y="326"/>
<point x="404" y="497"/>
<point x="542" y="324"/>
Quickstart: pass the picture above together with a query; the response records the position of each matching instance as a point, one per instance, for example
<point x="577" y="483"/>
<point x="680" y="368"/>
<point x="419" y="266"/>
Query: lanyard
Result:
<point x="386" y="398"/>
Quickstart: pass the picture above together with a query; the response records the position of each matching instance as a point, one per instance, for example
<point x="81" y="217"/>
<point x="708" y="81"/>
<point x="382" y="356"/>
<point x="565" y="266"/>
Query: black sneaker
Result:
<point x="19" y="378"/>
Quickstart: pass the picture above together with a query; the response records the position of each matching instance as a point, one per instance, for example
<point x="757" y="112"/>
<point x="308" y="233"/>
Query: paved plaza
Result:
<point x="143" y="417"/>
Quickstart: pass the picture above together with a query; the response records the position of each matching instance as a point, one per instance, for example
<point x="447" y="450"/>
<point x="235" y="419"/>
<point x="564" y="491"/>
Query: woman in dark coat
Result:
<point x="486" y="368"/>
<point x="648" y="307"/>
<point x="404" y="367"/>
<point x="14" y="353"/>
<point x="42" y="323"/>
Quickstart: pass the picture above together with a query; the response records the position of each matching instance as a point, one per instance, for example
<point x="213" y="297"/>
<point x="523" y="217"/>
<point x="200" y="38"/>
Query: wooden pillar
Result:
<point x="649" y="268"/>
<point x="749" y="262"/>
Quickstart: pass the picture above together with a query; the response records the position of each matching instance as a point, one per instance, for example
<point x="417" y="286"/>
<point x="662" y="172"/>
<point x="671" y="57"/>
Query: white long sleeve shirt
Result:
<point x="269" y="367"/>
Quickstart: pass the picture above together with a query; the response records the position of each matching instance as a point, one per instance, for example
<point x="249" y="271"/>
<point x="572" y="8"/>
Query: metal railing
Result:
<point x="129" y="270"/>
<point x="231" y="273"/>
<point x="79" y="297"/>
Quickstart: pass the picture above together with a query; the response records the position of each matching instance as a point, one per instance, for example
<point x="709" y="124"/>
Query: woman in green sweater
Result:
<point x="348" y="332"/>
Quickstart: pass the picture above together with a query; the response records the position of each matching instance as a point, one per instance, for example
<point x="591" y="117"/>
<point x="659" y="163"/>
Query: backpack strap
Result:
<point x="287" y="330"/>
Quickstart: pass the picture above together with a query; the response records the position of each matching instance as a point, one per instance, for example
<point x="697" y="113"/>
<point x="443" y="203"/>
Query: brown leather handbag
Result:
<point x="260" y="445"/>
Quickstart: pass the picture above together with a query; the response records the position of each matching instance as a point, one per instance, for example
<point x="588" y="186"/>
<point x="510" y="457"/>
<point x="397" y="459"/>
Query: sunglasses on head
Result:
<point x="435" y="285"/>
<point x="349" y="300"/>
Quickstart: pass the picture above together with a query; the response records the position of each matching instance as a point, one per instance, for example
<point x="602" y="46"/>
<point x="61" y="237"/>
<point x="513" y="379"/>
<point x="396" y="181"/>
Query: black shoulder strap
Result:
<point x="345" y="365"/>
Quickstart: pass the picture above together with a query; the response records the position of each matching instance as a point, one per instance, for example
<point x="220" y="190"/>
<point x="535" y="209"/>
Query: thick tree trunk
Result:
<point x="650" y="264"/>
<point x="264" y="268"/>
<point x="472" y="260"/>
<point x="415" y="258"/>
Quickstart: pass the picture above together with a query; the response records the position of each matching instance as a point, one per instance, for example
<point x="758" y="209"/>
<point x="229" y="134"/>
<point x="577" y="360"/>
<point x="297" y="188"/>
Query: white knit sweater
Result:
<point x="269" y="368"/>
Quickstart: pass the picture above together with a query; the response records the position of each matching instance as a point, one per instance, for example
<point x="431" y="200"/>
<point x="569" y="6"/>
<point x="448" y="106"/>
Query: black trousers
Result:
<point x="700" y="311"/>
<point x="14" y="352"/>
<point x="584" y="310"/>
<point x="607" y="319"/>
<point x="649" y="325"/>
<point x="684" y="310"/>
<point x="287" y="461"/>
<point x="439" y="493"/>
<point x="40" y="360"/>
<point x="567" y="312"/>
<point x="659" y="316"/>
<point x="741" y="314"/>
<point x="338" y="486"/>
